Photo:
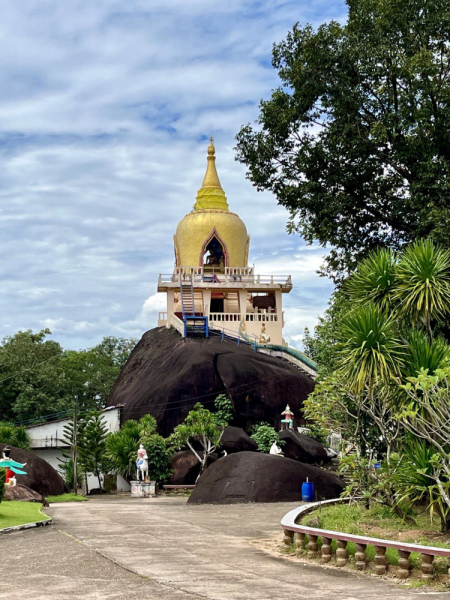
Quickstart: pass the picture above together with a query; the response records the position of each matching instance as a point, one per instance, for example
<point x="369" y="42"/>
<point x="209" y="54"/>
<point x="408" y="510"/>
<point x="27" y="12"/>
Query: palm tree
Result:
<point x="374" y="281"/>
<point x="423" y="282"/>
<point x="370" y="348"/>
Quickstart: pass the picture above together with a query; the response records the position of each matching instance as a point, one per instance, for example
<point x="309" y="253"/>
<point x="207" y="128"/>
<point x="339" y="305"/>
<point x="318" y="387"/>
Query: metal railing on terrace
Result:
<point x="251" y="317"/>
<point x="231" y="275"/>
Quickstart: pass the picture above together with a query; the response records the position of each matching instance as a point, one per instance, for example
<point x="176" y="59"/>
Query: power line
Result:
<point x="28" y="368"/>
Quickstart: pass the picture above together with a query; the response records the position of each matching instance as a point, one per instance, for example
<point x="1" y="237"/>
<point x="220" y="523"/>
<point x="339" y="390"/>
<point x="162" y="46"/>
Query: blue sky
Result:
<point x="105" y="112"/>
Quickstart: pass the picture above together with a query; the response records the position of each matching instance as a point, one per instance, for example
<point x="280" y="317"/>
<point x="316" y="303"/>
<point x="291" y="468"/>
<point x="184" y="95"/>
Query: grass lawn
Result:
<point x="67" y="498"/>
<point x="380" y="522"/>
<point x="18" y="513"/>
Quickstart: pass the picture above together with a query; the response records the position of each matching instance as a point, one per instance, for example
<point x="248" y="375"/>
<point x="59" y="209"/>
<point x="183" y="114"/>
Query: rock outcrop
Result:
<point x="303" y="448"/>
<point x="41" y="477"/>
<point x="167" y="374"/>
<point x="186" y="467"/>
<point x="234" y="439"/>
<point x="23" y="493"/>
<point x="255" y="477"/>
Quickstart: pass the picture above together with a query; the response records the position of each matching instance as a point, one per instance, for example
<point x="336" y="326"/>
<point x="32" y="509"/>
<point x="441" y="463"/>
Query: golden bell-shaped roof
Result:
<point x="211" y="219"/>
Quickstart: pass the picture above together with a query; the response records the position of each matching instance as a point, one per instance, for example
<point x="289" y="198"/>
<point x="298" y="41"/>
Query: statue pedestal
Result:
<point x="143" y="489"/>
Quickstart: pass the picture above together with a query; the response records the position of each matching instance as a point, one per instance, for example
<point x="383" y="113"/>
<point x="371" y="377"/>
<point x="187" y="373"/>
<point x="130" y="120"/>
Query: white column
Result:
<point x="206" y="302"/>
<point x="243" y="303"/>
<point x="170" y="305"/>
<point x="279" y="305"/>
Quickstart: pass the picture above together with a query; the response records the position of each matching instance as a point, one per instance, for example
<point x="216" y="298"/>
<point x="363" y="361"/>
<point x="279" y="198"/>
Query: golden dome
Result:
<point x="211" y="227"/>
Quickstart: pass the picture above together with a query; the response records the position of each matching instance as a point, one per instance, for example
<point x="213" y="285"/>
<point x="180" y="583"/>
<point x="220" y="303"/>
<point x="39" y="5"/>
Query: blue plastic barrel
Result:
<point x="308" y="491"/>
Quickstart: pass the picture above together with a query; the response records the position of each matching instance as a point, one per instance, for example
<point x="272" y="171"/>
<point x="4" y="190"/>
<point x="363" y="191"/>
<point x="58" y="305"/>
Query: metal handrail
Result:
<point x="219" y="277"/>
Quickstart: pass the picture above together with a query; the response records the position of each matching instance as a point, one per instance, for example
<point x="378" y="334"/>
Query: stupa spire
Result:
<point x="211" y="194"/>
<point x="211" y="179"/>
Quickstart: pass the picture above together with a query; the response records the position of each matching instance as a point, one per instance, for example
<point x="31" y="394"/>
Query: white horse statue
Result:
<point x="142" y="468"/>
<point x="142" y="463"/>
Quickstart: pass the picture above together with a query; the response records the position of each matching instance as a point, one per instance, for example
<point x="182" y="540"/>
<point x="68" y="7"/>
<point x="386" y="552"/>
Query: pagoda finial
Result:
<point x="211" y="179"/>
<point x="211" y="194"/>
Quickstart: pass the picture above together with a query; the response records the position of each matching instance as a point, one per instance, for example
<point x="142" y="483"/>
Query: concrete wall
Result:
<point x="47" y="443"/>
<point x="49" y="435"/>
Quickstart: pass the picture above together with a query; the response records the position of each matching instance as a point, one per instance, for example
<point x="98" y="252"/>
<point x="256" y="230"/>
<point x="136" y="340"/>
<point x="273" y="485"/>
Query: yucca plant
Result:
<point x="121" y="448"/>
<point x="374" y="281"/>
<point x="414" y="479"/>
<point x="370" y="348"/>
<point x="14" y="435"/>
<point x="423" y="353"/>
<point x="423" y="282"/>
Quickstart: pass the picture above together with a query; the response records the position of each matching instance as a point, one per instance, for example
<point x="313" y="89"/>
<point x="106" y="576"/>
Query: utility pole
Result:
<point x="75" y="449"/>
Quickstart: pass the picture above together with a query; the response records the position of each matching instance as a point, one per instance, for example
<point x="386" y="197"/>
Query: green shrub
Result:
<point x="14" y="435"/>
<point x="224" y="410"/>
<point x="158" y="458"/>
<point x="265" y="435"/>
<point x="66" y="472"/>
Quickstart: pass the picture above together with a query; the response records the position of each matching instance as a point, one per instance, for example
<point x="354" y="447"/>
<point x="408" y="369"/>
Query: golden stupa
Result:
<point x="211" y="234"/>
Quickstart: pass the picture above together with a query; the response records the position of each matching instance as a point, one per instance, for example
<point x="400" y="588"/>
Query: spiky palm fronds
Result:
<point x="370" y="348"/>
<point x="374" y="280"/>
<point x="14" y="435"/>
<point x="423" y="281"/>
<point x="423" y="353"/>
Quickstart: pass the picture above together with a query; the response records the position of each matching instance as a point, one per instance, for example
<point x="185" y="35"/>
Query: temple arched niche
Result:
<point x="214" y="255"/>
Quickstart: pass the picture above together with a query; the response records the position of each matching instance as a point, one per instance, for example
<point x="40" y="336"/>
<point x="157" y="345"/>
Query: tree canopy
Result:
<point x="355" y="142"/>
<point x="38" y="377"/>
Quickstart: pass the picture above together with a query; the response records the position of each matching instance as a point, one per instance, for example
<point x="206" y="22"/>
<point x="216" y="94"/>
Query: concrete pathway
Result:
<point x="163" y="549"/>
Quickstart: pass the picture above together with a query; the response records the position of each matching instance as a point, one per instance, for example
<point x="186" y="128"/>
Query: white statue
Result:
<point x="142" y="463"/>
<point x="12" y="467"/>
<point x="274" y="449"/>
<point x="264" y="338"/>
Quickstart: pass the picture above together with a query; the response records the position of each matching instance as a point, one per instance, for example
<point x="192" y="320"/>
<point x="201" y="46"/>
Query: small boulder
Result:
<point x="303" y="448"/>
<point x="97" y="492"/>
<point x="41" y="476"/>
<point x="255" y="477"/>
<point x="22" y="493"/>
<point x="313" y="522"/>
<point x="234" y="439"/>
<point x="186" y="467"/>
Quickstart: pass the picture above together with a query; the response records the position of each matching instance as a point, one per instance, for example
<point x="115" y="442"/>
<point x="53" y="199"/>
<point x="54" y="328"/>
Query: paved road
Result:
<point x="163" y="549"/>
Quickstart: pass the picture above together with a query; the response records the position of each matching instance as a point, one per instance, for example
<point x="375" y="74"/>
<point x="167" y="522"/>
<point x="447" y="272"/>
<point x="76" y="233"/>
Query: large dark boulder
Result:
<point x="22" y="493"/>
<point x="41" y="477"/>
<point x="255" y="477"/>
<point x="186" y="467"/>
<point x="234" y="439"/>
<point x="303" y="448"/>
<point x="167" y="374"/>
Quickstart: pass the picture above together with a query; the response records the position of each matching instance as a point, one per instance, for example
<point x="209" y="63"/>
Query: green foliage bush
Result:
<point x="121" y="449"/>
<point x="159" y="468"/>
<point x="66" y="471"/>
<point x="224" y="410"/>
<point x="265" y="435"/>
<point x="14" y="435"/>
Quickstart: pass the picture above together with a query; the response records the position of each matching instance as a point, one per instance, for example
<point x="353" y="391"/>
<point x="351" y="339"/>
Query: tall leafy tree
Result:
<point x="38" y="378"/>
<point x="200" y="427"/>
<point x="92" y="441"/>
<point x="355" y="142"/>
<point x="30" y="376"/>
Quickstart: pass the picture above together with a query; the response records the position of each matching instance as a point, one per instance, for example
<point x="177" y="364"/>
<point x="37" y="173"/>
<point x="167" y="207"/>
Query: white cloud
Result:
<point x="105" y="109"/>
